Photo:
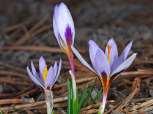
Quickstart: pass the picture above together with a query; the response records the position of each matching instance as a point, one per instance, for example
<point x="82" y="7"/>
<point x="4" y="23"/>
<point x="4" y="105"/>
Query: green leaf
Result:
<point x="70" y="97"/>
<point x="1" y="112"/>
<point x="52" y="112"/>
<point x="72" y="101"/>
<point x="84" y="97"/>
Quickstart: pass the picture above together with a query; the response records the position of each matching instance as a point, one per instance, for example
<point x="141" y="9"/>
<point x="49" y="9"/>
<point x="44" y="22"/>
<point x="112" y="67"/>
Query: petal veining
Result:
<point x="125" y="64"/>
<point x="63" y="20"/>
<point x="101" y="63"/>
<point x="111" y="51"/>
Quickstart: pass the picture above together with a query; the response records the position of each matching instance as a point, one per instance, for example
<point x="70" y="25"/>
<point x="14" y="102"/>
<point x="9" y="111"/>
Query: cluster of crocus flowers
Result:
<point x="107" y="64"/>
<point x="45" y="78"/>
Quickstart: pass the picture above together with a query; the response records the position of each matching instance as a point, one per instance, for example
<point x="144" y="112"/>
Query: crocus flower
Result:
<point x="64" y="30"/>
<point x="45" y="78"/>
<point x="107" y="64"/>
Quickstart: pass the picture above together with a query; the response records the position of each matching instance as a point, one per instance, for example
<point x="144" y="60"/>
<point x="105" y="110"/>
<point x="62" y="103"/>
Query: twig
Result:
<point x="32" y="48"/>
<point x="136" y="88"/>
<point x="26" y="36"/>
<point x="15" y="101"/>
<point x="30" y="105"/>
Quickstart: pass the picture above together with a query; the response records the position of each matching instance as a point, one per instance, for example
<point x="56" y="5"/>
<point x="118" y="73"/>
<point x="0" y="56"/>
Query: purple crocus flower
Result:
<point x="63" y="26"/>
<point x="45" y="78"/>
<point x="64" y="30"/>
<point x="107" y="64"/>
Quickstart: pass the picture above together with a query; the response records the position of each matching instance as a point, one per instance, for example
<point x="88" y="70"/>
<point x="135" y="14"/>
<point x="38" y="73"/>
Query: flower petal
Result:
<point x="63" y="20"/>
<point x="42" y="65"/>
<point x="33" y="69"/>
<point x="93" y="48"/>
<point x="98" y="58"/>
<point x="111" y="51"/>
<point x="101" y="64"/>
<point x="60" y="41"/>
<point x="50" y="77"/>
<point x="116" y="63"/>
<point x="125" y="64"/>
<point x="59" y="67"/>
<point x="58" y="71"/>
<point x="126" y="51"/>
<point x="34" y="78"/>
<point x="78" y="55"/>
<point x="53" y="74"/>
<point x="122" y="57"/>
<point x="55" y="28"/>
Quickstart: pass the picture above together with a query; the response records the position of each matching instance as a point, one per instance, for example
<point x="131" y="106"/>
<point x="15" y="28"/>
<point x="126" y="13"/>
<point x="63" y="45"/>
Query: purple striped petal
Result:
<point x="68" y="35"/>
<point x="63" y="19"/>
<point x="60" y="41"/>
<point x="50" y="77"/>
<point x="126" y="51"/>
<point x="55" y="27"/>
<point x="34" y="72"/>
<point x="59" y="67"/>
<point x="93" y="48"/>
<point x="58" y="71"/>
<point x="111" y="51"/>
<point x="42" y="64"/>
<point x="34" y="78"/>
<point x="125" y="64"/>
<point x="53" y="74"/>
<point x="116" y="63"/>
<point x="33" y="69"/>
<point x="79" y="56"/>
<point x="122" y="57"/>
<point x="101" y="64"/>
<point x="98" y="58"/>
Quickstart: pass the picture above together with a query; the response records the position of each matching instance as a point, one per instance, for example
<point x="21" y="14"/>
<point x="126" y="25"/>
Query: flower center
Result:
<point x="45" y="72"/>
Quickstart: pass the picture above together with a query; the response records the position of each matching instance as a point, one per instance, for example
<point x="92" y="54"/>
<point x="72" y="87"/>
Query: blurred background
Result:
<point x="26" y="33"/>
<point x="99" y="20"/>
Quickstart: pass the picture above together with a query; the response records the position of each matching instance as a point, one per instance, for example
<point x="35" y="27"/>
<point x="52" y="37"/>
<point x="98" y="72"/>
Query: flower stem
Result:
<point x="103" y="104"/>
<point x="105" y="85"/>
<point x="73" y="83"/>
<point x="74" y="104"/>
<point x="72" y="73"/>
<point x="49" y="101"/>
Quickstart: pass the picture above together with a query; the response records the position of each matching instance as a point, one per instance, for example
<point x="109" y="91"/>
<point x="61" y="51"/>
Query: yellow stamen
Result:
<point x="45" y="72"/>
<point x="109" y="52"/>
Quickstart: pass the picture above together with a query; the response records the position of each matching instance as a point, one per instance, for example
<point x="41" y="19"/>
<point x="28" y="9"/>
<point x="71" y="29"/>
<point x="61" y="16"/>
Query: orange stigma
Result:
<point x="109" y="53"/>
